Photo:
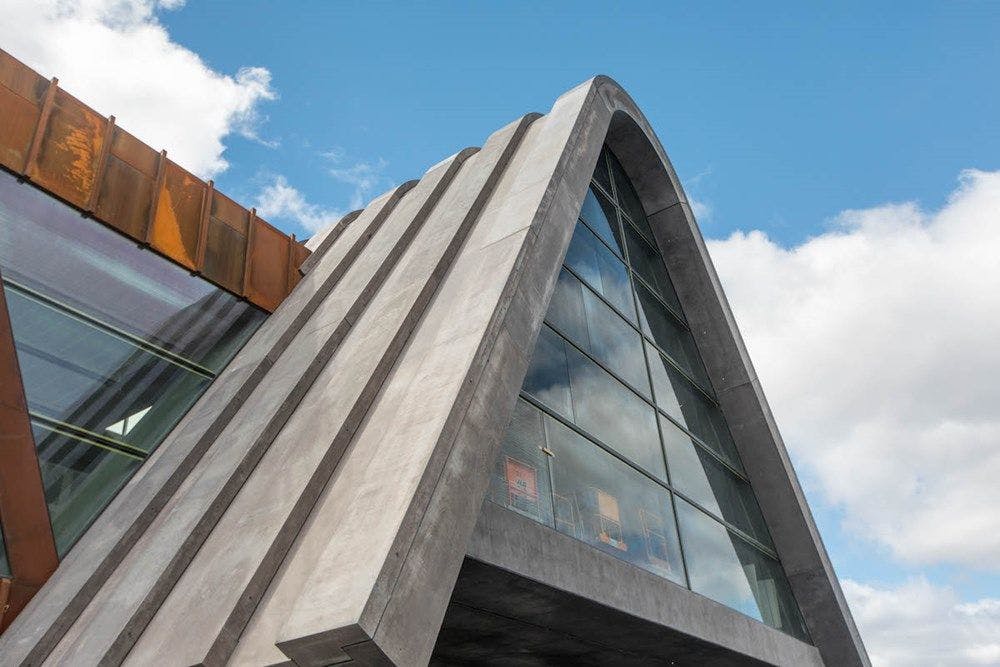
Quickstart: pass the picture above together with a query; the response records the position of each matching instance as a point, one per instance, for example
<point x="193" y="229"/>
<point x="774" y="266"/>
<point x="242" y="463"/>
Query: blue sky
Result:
<point x="846" y="163"/>
<point x="777" y="118"/>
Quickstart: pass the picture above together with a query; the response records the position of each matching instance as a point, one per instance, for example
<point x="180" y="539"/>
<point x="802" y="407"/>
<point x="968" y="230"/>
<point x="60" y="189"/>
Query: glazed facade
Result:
<point x="114" y="344"/>
<point x="617" y="438"/>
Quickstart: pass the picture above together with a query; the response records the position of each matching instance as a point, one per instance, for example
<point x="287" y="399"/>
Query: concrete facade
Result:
<point x="317" y="504"/>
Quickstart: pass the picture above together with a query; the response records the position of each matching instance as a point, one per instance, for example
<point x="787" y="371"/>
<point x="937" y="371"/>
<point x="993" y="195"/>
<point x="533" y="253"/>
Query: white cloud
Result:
<point x="363" y="176"/>
<point x="702" y="209"/>
<point x="919" y="623"/>
<point x="877" y="343"/>
<point x="280" y="201"/>
<point x="117" y="57"/>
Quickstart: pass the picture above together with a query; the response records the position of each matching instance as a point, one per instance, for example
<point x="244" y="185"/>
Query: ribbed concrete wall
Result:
<point x="316" y="503"/>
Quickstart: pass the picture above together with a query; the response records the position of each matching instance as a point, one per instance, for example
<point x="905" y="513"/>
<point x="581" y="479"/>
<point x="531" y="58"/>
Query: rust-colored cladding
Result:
<point x="68" y="153"/>
<point x="299" y="255"/>
<point x="227" y="211"/>
<point x="268" y="263"/>
<point x="177" y="222"/>
<point x="31" y="549"/>
<point x="68" y="149"/>
<point x="21" y="91"/>
<point x="126" y="188"/>
<point x="225" y="250"/>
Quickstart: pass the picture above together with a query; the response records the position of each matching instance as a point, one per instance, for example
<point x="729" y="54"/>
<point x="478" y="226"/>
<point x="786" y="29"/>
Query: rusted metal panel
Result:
<point x="31" y="549"/>
<point x="299" y="255"/>
<point x="267" y="282"/>
<point x="4" y="596"/>
<point x="134" y="153"/>
<point x="69" y="149"/>
<point x="177" y="221"/>
<point x="21" y="92"/>
<point x="124" y="198"/>
<point x="225" y="250"/>
<point x="227" y="211"/>
<point x="21" y="79"/>
<point x="17" y="127"/>
<point x="102" y="163"/>
<point x="66" y="148"/>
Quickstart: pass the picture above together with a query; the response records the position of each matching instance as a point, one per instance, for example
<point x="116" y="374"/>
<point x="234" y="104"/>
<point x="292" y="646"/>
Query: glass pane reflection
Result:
<point x="599" y="268"/>
<point x="591" y="457"/>
<point x="521" y="478"/>
<point x="4" y="565"/>
<point x="680" y="399"/>
<point x="671" y="335"/>
<point x="80" y="478"/>
<point x="646" y="261"/>
<point x="629" y="200"/>
<point x="601" y="174"/>
<point x="576" y="312"/>
<point x="729" y="570"/>
<point x="600" y="214"/>
<point x="604" y="502"/>
<point x="114" y="345"/>
<point x="700" y="476"/>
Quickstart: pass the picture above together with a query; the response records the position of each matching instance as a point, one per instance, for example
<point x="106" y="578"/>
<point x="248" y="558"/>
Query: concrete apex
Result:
<point x="317" y="502"/>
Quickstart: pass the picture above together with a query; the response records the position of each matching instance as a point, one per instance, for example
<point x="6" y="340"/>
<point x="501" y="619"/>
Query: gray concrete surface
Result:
<point x="535" y="553"/>
<point x="317" y="501"/>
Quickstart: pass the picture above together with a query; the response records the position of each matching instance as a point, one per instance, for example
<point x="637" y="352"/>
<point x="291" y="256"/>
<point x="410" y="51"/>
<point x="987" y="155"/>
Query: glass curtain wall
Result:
<point x="617" y="438"/>
<point x="4" y="565"/>
<point x="114" y="344"/>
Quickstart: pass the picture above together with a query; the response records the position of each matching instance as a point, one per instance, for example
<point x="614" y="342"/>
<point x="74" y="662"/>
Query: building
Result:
<point x="502" y="415"/>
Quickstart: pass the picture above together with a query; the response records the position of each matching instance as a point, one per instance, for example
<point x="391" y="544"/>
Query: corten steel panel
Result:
<point x="176" y="224"/>
<point x="268" y="265"/>
<point x="224" y="252"/>
<point x="130" y="150"/>
<point x="299" y="255"/>
<point x="69" y="150"/>
<point x="21" y="79"/>
<point x="31" y="549"/>
<point x="227" y="211"/>
<point x="124" y="197"/>
<point x="17" y="127"/>
<point x="21" y="92"/>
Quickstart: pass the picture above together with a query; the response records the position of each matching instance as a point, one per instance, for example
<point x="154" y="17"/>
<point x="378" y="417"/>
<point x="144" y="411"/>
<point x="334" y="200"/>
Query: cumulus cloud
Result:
<point x="117" y="57"/>
<point x="918" y="623"/>
<point x="279" y="200"/>
<point x="877" y="344"/>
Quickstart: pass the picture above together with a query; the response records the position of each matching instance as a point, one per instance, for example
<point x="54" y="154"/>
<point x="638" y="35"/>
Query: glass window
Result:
<point x="46" y="247"/>
<point x="599" y="268"/>
<point x="672" y="337"/>
<point x="646" y="261"/>
<point x="602" y="217"/>
<point x="80" y="477"/>
<point x="521" y="478"/>
<point x="4" y="565"/>
<point x="607" y="504"/>
<point x="114" y="345"/>
<point x="615" y="343"/>
<point x="691" y="408"/>
<point x="601" y="174"/>
<point x="699" y="475"/>
<point x="615" y="415"/>
<point x="729" y="570"/>
<point x="547" y="379"/>
<point x="78" y="373"/>
<point x="590" y="456"/>
<point x="586" y="320"/>
<point x="566" y="310"/>
<point x="629" y="200"/>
